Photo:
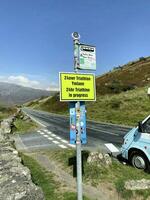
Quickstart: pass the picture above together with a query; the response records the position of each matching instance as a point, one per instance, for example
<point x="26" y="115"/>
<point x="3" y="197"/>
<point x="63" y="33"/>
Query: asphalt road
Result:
<point x="55" y="133"/>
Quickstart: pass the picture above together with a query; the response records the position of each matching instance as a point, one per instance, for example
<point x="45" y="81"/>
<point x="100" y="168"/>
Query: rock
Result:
<point x="137" y="184"/>
<point x="99" y="159"/>
<point x="25" y="118"/>
<point x="6" y="126"/>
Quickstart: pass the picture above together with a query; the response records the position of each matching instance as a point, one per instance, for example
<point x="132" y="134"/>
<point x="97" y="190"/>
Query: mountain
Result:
<point x="15" y="94"/>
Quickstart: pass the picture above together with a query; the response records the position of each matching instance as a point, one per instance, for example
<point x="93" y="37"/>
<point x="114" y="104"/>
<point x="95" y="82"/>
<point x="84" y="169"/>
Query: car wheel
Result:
<point x="139" y="161"/>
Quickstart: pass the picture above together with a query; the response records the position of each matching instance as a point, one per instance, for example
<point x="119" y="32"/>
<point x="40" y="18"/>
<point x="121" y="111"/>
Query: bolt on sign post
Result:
<point x="77" y="88"/>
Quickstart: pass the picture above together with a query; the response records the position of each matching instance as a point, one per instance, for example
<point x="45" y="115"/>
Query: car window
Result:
<point x="146" y="126"/>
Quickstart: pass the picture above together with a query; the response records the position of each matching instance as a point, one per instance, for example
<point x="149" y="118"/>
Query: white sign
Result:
<point x="87" y="57"/>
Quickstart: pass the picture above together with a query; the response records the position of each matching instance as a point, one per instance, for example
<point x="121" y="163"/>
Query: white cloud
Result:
<point x="51" y="88"/>
<point x="20" y="80"/>
<point x="26" y="82"/>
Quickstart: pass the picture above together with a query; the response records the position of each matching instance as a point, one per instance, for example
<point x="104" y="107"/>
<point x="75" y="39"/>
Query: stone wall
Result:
<point x="15" y="179"/>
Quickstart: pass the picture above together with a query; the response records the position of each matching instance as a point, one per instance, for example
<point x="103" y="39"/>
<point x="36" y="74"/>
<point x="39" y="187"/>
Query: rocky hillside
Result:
<point x="14" y="94"/>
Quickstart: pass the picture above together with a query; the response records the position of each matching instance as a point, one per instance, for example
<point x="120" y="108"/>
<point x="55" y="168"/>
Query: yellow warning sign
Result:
<point x="77" y="87"/>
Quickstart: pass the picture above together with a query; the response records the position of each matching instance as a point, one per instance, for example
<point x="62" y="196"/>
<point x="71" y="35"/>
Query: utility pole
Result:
<point x="76" y="38"/>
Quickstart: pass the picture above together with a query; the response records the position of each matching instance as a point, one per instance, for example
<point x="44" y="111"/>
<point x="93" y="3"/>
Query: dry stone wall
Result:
<point x="15" y="179"/>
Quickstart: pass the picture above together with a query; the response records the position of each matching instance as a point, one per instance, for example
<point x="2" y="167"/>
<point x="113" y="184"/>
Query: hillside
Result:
<point x="121" y="95"/>
<point x="11" y="94"/>
<point x="127" y="77"/>
<point x="126" y="108"/>
<point x="6" y="111"/>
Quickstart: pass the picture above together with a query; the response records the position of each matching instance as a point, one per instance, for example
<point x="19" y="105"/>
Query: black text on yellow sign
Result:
<point x="77" y="87"/>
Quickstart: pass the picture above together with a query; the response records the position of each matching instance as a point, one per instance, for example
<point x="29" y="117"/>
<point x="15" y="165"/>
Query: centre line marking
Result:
<point x="50" y="138"/>
<point x="102" y="131"/>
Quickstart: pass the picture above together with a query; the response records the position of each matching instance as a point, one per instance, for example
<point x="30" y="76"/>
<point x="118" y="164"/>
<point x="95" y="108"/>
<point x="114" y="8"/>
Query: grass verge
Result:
<point x="5" y="112"/>
<point x="46" y="181"/>
<point x="114" y="175"/>
<point x="22" y="126"/>
<point x="126" y="108"/>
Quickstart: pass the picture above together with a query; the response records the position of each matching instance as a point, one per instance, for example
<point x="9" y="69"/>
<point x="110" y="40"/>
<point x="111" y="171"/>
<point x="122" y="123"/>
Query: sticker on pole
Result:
<point x="87" y="57"/>
<point x="77" y="87"/>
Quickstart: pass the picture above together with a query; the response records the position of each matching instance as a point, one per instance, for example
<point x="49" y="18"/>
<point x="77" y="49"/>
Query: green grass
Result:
<point x="125" y="108"/>
<point x="42" y="178"/>
<point x="22" y="126"/>
<point x="116" y="174"/>
<point x="5" y="112"/>
<point x="46" y="181"/>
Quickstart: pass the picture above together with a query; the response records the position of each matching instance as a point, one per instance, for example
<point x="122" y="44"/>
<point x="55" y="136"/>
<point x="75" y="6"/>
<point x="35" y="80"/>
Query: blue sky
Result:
<point x="36" y="43"/>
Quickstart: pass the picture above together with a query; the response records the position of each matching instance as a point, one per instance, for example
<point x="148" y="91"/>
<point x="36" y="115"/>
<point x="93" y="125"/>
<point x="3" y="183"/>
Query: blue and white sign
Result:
<point x="83" y="122"/>
<point x="73" y="123"/>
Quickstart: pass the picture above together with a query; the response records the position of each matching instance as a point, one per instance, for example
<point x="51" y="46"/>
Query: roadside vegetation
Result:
<point x="5" y="111"/>
<point x="126" y="108"/>
<point x="45" y="180"/>
<point x="24" y="124"/>
<point x="112" y="177"/>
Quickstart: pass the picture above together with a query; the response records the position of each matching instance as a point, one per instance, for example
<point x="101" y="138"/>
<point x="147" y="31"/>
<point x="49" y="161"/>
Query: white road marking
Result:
<point x="58" y="138"/>
<point x="64" y="141"/>
<point x="50" y="138"/>
<point x="56" y="142"/>
<point x="49" y="132"/>
<point x="72" y="145"/>
<point x="46" y="130"/>
<point x="45" y="136"/>
<point x="42" y="133"/>
<point x="34" y="119"/>
<point x="112" y="148"/>
<point x="98" y="129"/>
<point x="62" y="146"/>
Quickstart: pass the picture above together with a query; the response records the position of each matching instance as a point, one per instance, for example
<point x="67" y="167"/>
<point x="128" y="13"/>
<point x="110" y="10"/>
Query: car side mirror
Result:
<point x="140" y="127"/>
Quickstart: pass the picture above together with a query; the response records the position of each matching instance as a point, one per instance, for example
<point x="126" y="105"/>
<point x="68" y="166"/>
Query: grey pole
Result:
<point x="78" y="128"/>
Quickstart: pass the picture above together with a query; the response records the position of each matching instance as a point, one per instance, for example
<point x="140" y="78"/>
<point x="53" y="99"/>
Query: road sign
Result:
<point x="73" y="128"/>
<point x="72" y="123"/>
<point x="83" y="122"/>
<point x="87" y="57"/>
<point x="77" y="87"/>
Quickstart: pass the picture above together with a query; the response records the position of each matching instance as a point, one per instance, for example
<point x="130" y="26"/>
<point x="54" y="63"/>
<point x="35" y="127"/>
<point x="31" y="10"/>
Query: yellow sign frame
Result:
<point x="77" y="86"/>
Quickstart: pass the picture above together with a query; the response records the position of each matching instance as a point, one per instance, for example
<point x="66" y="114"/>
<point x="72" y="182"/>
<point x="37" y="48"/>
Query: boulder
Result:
<point x="137" y="184"/>
<point x="99" y="159"/>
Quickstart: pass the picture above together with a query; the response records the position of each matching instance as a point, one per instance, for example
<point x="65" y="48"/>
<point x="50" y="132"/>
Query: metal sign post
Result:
<point x="76" y="38"/>
<point x="78" y="88"/>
